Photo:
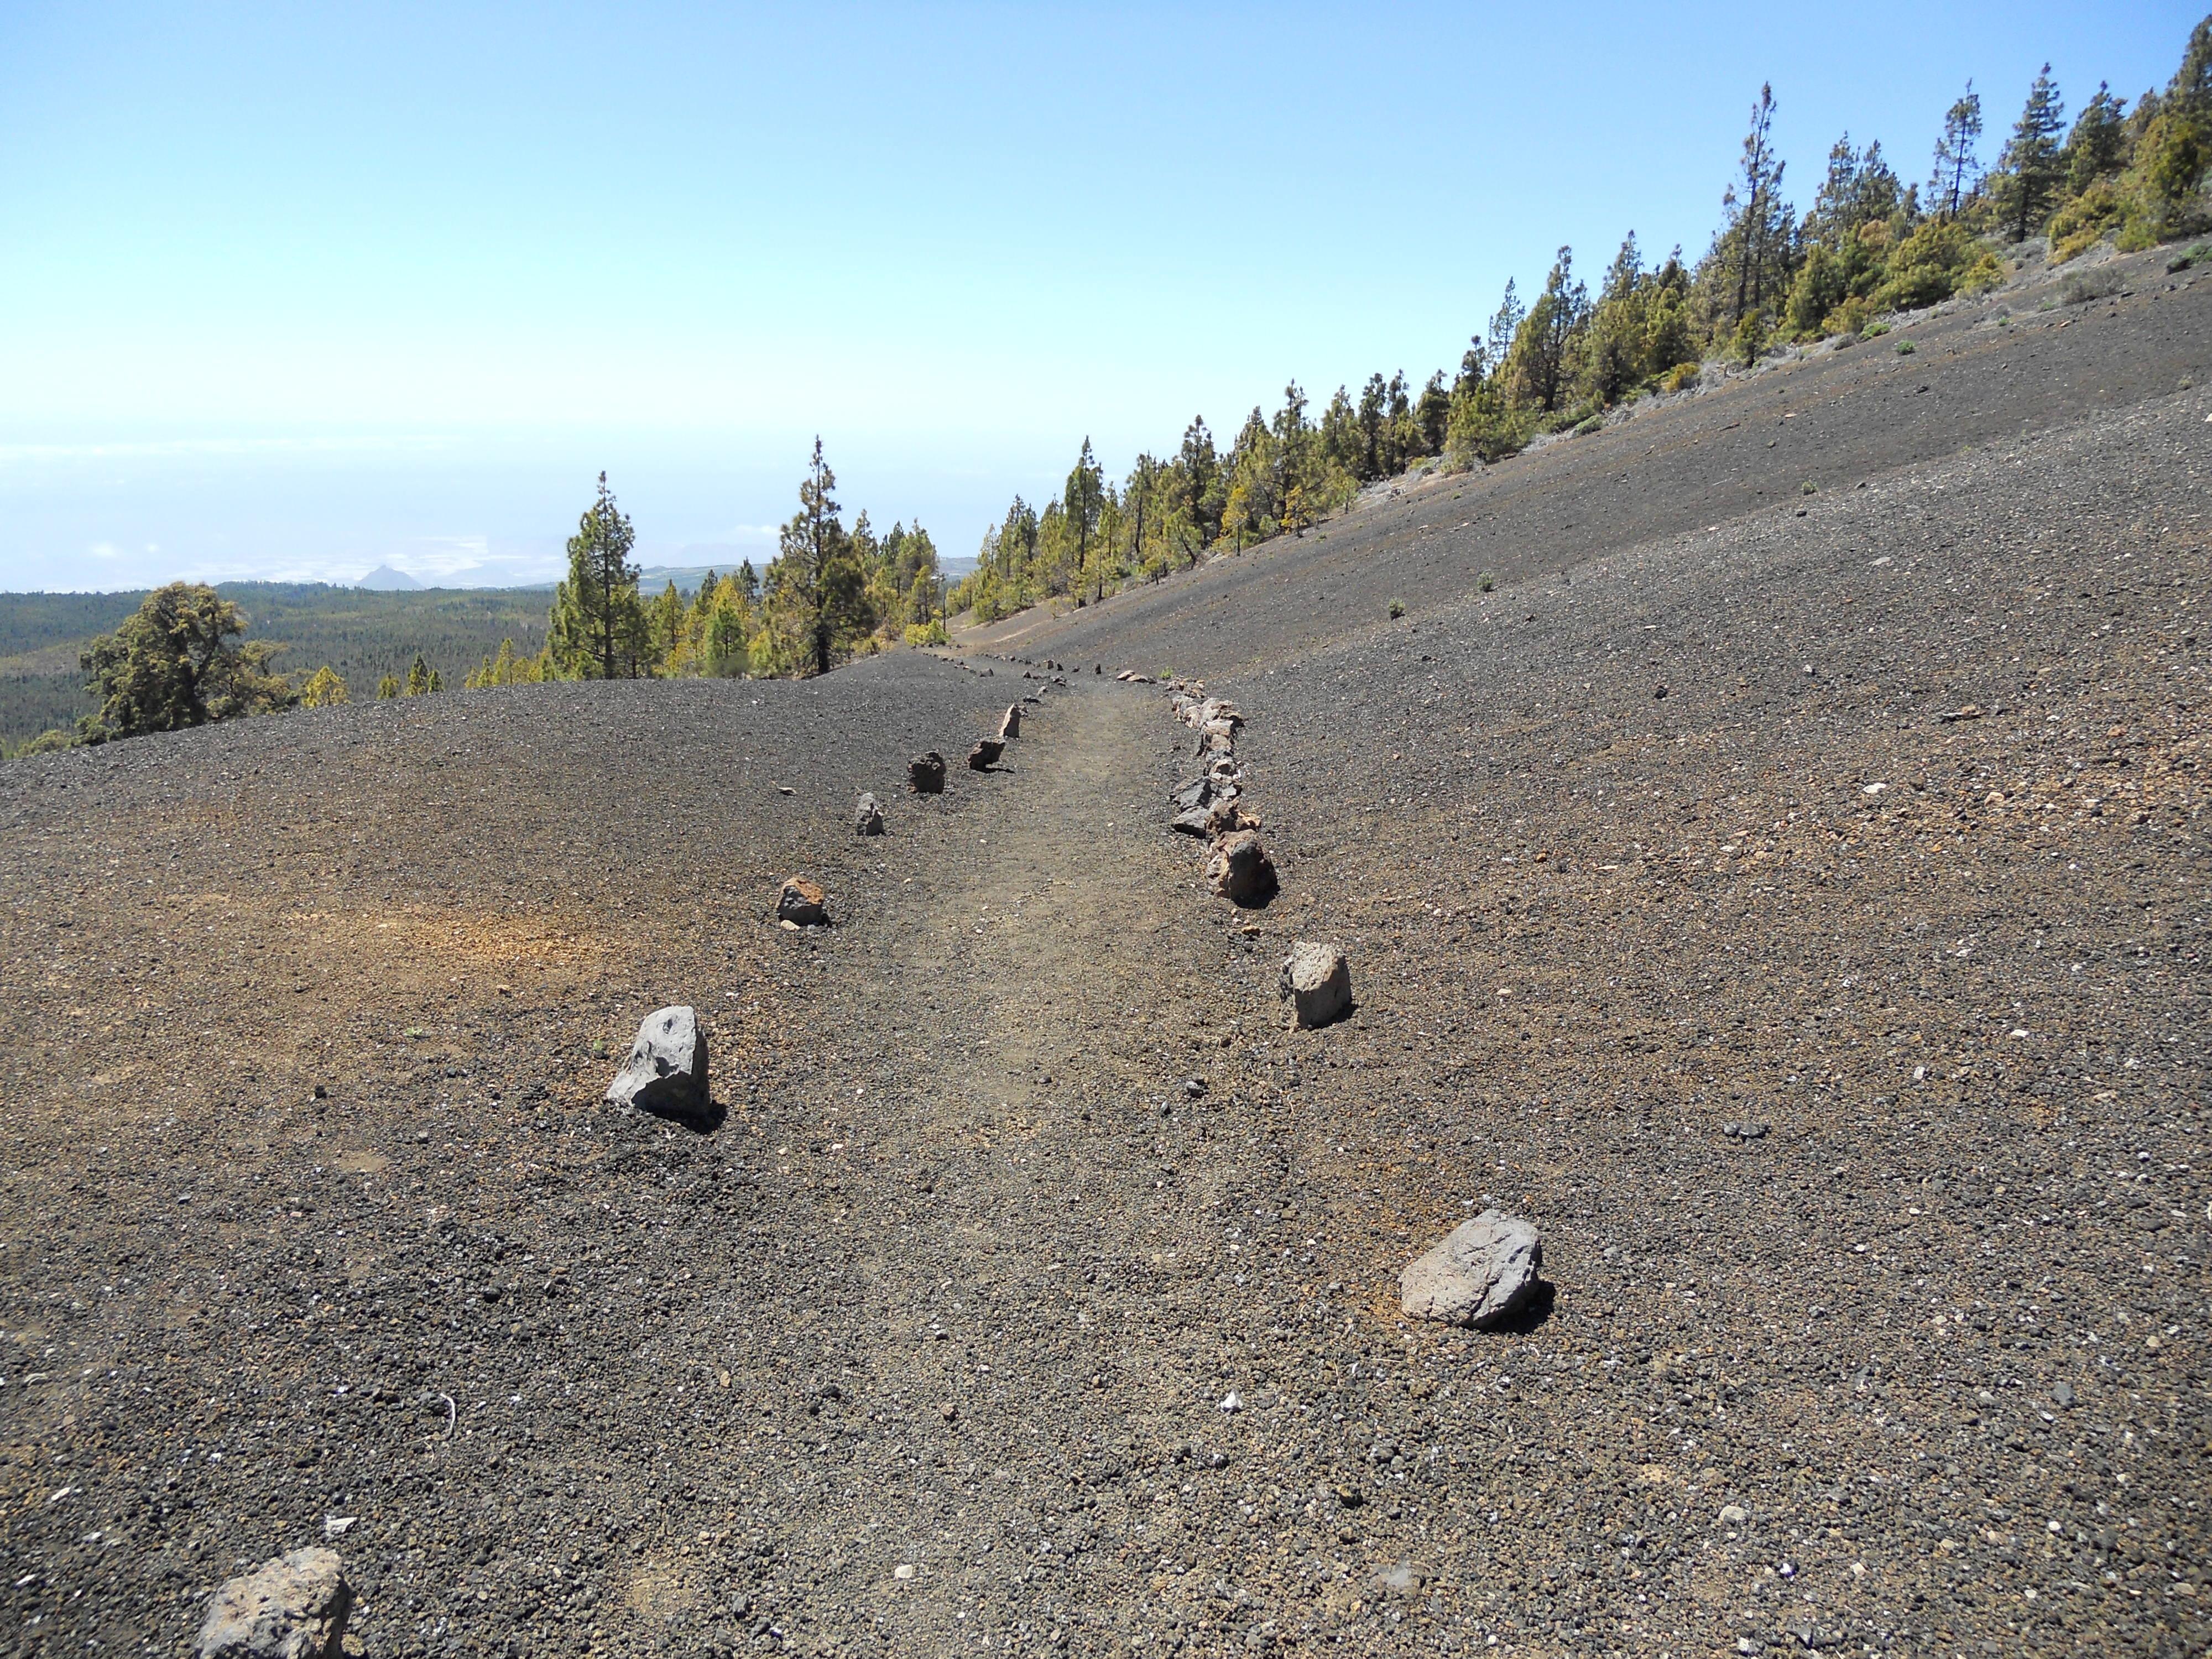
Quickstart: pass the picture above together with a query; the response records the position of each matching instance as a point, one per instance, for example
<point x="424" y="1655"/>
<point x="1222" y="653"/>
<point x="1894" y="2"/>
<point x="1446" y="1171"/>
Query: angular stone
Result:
<point x="1318" y="982"/>
<point x="1010" y="726"/>
<point x="666" y="1071"/>
<point x="1198" y="821"/>
<point x="985" y="755"/>
<point x="1476" y="1275"/>
<point x="1195" y="794"/>
<point x="925" y="774"/>
<point x="1240" y="870"/>
<point x="867" y="817"/>
<point x="803" y="904"/>
<point x="293" y="1606"/>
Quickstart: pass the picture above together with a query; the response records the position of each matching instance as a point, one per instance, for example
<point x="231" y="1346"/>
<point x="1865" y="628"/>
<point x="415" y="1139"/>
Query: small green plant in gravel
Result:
<point x="1808" y="488"/>
<point x="1486" y="581"/>
<point x="1905" y="347"/>
<point x="1397" y="609"/>
<point x="1874" y="331"/>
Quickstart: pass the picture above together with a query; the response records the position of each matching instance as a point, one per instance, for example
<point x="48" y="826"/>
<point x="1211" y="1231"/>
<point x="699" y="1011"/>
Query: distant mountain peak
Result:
<point x="384" y="579"/>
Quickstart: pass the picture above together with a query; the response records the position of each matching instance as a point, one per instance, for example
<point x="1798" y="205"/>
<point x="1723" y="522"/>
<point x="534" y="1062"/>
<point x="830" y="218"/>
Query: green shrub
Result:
<point x="1851" y="316"/>
<point x="48" y="742"/>
<point x="1397" y="609"/>
<point x="1874" y="331"/>
<point x="1931" y="264"/>
<point x="1486" y="581"/>
<point x="1681" y="375"/>
<point x="1595" y="423"/>
<point x="2085" y="220"/>
<point x="1905" y="347"/>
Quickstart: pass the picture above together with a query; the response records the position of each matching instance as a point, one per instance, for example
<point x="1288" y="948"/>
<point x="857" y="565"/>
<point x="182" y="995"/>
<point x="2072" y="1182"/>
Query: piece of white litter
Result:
<point x="337" y="1526"/>
<point x="1230" y="1402"/>
<point x="1874" y="789"/>
<point x="902" y="1570"/>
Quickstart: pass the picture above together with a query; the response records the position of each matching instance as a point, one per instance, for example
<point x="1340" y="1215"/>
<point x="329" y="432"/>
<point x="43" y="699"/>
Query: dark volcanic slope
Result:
<point x="1038" y="1291"/>
<point x="1982" y="372"/>
<point x="1954" y="965"/>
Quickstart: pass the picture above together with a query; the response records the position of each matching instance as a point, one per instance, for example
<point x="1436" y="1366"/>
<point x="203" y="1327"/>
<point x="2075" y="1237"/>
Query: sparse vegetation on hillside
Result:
<point x="1869" y="244"/>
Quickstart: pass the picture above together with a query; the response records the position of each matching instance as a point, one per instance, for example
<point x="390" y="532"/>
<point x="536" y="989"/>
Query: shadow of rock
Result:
<point x="700" y="1120"/>
<point x="1533" y="1312"/>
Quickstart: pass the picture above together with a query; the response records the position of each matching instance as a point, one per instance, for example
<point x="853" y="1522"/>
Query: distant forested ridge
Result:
<point x="361" y="635"/>
<point x="1556" y="360"/>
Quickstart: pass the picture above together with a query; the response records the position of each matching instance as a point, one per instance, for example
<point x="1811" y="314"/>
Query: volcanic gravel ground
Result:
<point x="1036" y="1288"/>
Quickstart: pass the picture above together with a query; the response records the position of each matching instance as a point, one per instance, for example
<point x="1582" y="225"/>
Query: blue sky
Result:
<point x="301" y="289"/>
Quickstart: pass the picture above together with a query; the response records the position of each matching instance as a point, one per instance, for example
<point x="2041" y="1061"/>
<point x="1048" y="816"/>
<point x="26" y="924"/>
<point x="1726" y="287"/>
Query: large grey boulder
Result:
<point x="1240" y="870"/>
<point x="666" y="1071"/>
<point x="1317" y="982"/>
<point x="293" y="1606"/>
<point x="867" y="817"/>
<point x="1476" y="1275"/>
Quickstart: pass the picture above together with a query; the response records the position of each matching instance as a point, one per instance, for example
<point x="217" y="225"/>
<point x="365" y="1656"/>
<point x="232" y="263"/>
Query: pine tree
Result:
<point x="2097" y="147"/>
<point x="1432" y="415"/>
<point x="418" y="676"/>
<point x="386" y="688"/>
<point x="2176" y="145"/>
<point x="1374" y="398"/>
<point x="1957" y="172"/>
<point x="325" y="689"/>
<point x="1613" y="360"/>
<point x="1505" y="324"/>
<point x="170" y="665"/>
<point x="1753" y="245"/>
<point x="1199" y="492"/>
<point x="1084" y="498"/>
<point x="666" y="625"/>
<point x="2032" y="161"/>
<point x="598" y="630"/>
<point x="816" y="581"/>
<point x="1536" y="370"/>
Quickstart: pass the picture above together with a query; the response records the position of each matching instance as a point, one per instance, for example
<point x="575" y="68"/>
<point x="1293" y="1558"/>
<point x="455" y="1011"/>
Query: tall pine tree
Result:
<point x="2034" y="165"/>
<point x="817" y="580"/>
<point x="1957" y="171"/>
<point x="598" y="627"/>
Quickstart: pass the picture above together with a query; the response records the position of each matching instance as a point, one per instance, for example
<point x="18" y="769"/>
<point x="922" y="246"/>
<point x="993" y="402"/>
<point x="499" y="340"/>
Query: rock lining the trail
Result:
<point x="925" y="774"/>
<point x="1316" y="981"/>
<point x="1240" y="870"/>
<point x="666" y="1072"/>
<point x="291" y="1607"/>
<point x="867" y="816"/>
<point x="1010" y="726"/>
<point x="1477" y="1274"/>
<point x="987" y="753"/>
<point x="803" y="904"/>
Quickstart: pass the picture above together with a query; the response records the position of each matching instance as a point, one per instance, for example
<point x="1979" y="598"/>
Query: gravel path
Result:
<point x="1036" y="1290"/>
